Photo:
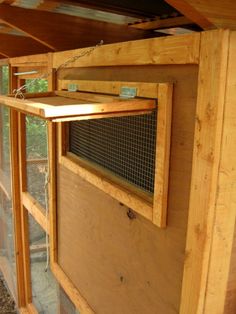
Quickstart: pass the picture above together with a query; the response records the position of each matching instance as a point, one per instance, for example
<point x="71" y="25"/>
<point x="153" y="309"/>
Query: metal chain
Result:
<point x="19" y="92"/>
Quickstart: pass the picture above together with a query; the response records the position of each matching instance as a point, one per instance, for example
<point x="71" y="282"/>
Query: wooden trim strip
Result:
<point x="164" y="114"/>
<point x="73" y="293"/>
<point x="35" y="209"/>
<point x="116" y="191"/>
<point x="183" y="49"/>
<point x="147" y="90"/>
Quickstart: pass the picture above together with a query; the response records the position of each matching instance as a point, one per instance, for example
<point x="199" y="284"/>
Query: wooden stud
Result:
<point x="16" y="201"/>
<point x="24" y="212"/>
<point x="35" y="209"/>
<point x="206" y="161"/>
<point x="217" y="300"/>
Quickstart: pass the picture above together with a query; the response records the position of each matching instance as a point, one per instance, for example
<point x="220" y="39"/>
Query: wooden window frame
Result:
<point x="153" y="209"/>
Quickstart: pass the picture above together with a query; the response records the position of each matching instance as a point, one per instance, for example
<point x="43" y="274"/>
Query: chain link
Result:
<point x="19" y="92"/>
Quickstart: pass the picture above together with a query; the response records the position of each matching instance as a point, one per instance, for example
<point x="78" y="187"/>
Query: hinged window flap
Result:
<point x="61" y="106"/>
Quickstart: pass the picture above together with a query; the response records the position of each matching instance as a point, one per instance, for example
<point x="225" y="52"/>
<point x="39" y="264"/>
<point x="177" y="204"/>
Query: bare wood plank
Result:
<point x="35" y="209"/>
<point x="51" y="107"/>
<point x="148" y="90"/>
<point x="163" y="23"/>
<point x="225" y="212"/>
<point x="191" y="12"/>
<point x="23" y="212"/>
<point x="167" y="50"/>
<point x="218" y="13"/>
<point x="52" y="144"/>
<point x="206" y="160"/>
<point x="163" y="154"/>
<point x="16" y="202"/>
<point x="100" y="116"/>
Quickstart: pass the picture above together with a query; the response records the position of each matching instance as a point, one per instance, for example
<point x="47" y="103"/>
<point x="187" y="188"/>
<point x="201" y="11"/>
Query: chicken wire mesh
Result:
<point x="37" y="158"/>
<point x="126" y="146"/>
<point x="7" y="251"/>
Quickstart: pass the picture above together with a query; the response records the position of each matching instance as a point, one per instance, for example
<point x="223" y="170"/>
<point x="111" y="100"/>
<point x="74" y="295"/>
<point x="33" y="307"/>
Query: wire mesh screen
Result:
<point x="37" y="158"/>
<point x="4" y="79"/>
<point x="43" y="283"/>
<point x="7" y="251"/>
<point x="126" y="146"/>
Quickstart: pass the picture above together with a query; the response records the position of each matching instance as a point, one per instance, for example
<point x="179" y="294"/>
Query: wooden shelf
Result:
<point x="66" y="106"/>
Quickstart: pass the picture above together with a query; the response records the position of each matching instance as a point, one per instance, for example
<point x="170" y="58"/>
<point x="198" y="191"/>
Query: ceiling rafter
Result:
<point x="208" y="14"/>
<point x="60" y="32"/>
<point x="14" y="46"/>
<point x="3" y="56"/>
<point x="163" y="23"/>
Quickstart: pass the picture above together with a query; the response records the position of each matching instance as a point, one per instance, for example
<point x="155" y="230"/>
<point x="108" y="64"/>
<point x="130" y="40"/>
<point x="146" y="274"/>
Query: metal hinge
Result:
<point x="128" y="92"/>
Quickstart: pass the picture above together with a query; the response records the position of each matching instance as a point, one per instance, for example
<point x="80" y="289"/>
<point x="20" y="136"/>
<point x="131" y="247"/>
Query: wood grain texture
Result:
<point x="219" y="14"/>
<point x="129" y="266"/>
<point x="206" y="161"/>
<point x="148" y="90"/>
<point x="226" y="244"/>
<point x="164" y="115"/>
<point x="81" y="104"/>
<point x="190" y="11"/>
<point x="163" y="23"/>
<point x="55" y="31"/>
<point x="167" y="50"/>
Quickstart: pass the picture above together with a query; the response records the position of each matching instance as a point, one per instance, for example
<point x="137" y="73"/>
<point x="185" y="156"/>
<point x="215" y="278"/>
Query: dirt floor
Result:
<point x="7" y="305"/>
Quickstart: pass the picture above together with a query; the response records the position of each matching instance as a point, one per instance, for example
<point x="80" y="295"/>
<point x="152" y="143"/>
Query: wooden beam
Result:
<point x="190" y="12"/>
<point x="164" y="23"/>
<point x="166" y="50"/>
<point x="205" y="170"/>
<point x="60" y="32"/>
<point x="3" y="59"/>
<point x="225" y="211"/>
<point x="14" y="46"/>
<point x="208" y="14"/>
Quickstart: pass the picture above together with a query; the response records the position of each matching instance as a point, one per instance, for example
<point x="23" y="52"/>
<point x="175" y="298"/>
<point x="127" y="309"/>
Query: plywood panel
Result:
<point x="121" y="265"/>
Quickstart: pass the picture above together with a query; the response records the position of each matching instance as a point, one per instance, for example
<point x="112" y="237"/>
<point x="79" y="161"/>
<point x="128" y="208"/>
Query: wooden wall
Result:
<point x="121" y="265"/>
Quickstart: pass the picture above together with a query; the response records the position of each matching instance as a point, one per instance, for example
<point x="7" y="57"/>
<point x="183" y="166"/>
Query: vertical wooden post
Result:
<point x="203" y="214"/>
<point x="16" y="200"/>
<point x="24" y="212"/>
<point x="52" y="191"/>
